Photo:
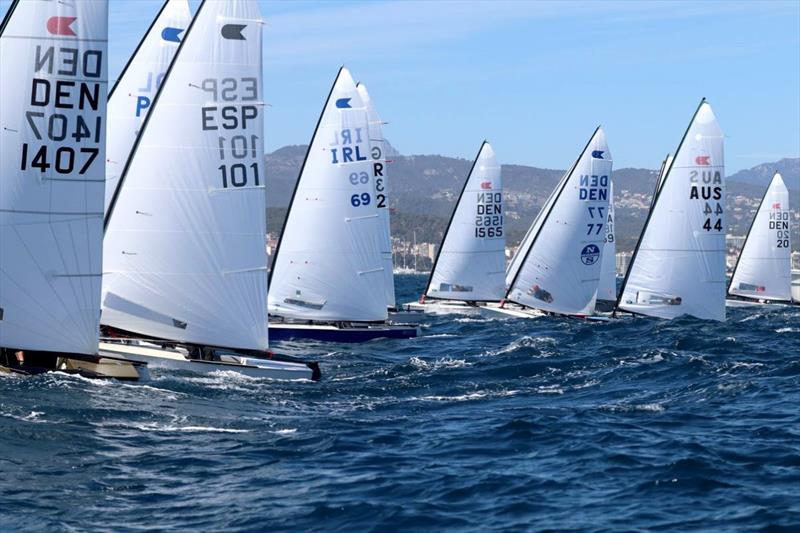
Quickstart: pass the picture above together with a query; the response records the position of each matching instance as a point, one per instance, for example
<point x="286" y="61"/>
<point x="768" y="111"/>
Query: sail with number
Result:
<point x="377" y="152"/>
<point x="763" y="270"/>
<point x="53" y="61"/>
<point x="133" y="93"/>
<point x="678" y="266"/>
<point x="328" y="264"/>
<point x="560" y="272"/>
<point x="470" y="265"/>
<point x="185" y="241"/>
<point x="607" y="289"/>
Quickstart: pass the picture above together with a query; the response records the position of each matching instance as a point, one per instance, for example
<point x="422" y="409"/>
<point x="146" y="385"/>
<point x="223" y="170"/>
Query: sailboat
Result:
<point x="185" y="280"/>
<point x="52" y="146"/>
<point x="558" y="264"/>
<point x="132" y="95"/>
<point x="469" y="268"/>
<point x="607" y="288"/>
<point x="762" y="273"/>
<point x="678" y="265"/>
<point x="327" y="280"/>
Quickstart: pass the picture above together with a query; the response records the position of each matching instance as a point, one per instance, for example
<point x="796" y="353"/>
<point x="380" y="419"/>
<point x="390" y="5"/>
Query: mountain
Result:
<point x="760" y="175"/>
<point x="424" y="188"/>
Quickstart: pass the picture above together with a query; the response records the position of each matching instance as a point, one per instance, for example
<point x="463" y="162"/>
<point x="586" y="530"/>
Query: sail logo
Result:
<point x="172" y="35"/>
<point x="343" y="103"/>
<point x="61" y="25"/>
<point x="598" y="154"/>
<point x="486" y="185"/>
<point x="590" y="254"/>
<point x="233" y="32"/>
<point x="702" y="160"/>
<point x="776" y="205"/>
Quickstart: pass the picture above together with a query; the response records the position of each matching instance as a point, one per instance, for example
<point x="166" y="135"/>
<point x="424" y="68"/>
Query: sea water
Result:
<point x="478" y="424"/>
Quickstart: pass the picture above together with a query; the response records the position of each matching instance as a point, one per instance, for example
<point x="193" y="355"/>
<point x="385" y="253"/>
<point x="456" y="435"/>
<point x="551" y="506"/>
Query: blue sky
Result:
<point x="534" y="78"/>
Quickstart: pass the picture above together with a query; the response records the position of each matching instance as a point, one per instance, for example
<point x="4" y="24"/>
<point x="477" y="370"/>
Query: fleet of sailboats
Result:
<point x="133" y="226"/>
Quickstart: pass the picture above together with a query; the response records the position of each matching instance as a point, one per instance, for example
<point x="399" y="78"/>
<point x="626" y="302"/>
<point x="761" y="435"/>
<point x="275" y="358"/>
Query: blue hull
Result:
<point x="311" y="332"/>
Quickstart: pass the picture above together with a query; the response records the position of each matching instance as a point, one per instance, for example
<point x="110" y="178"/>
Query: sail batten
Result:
<point x="328" y="264"/>
<point x="185" y="262"/>
<point x="52" y="150"/>
<point x="469" y="263"/>
<point x="678" y="266"/>
<point x="560" y="273"/>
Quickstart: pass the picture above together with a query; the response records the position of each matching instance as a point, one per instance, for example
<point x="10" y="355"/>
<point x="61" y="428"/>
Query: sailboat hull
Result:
<point x="509" y="311"/>
<point x="444" y="307"/>
<point x="176" y="359"/>
<point x="92" y="367"/>
<point x="334" y="333"/>
<point x="796" y="285"/>
<point x="733" y="302"/>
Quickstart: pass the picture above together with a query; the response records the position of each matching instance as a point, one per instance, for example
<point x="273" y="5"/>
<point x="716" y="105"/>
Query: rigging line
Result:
<point x="747" y="237"/>
<point x="452" y="216"/>
<point x="143" y="127"/>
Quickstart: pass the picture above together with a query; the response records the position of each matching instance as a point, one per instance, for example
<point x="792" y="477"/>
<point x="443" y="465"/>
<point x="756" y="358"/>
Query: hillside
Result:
<point x="424" y="189"/>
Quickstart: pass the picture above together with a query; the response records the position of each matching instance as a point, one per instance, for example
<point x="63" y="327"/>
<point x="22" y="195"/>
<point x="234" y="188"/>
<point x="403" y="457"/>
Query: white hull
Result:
<point x="796" y="285"/>
<point x="177" y="359"/>
<point x="509" y="311"/>
<point x="753" y="303"/>
<point x="444" y="307"/>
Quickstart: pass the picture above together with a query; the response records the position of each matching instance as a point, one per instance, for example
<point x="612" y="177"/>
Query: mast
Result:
<point x="136" y="50"/>
<point x="450" y="222"/>
<point x="300" y="176"/>
<point x="659" y="187"/>
<point x="561" y="186"/>
<point x="159" y="91"/>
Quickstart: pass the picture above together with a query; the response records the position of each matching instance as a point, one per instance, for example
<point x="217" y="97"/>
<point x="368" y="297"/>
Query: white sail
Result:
<point x="678" y="267"/>
<point x="381" y="191"/>
<point x="53" y="78"/>
<point x="763" y="270"/>
<point x="533" y="230"/>
<point x="328" y="263"/>
<point x="471" y="261"/>
<point x="185" y="246"/>
<point x="607" y="290"/>
<point x="561" y="270"/>
<point x="133" y="93"/>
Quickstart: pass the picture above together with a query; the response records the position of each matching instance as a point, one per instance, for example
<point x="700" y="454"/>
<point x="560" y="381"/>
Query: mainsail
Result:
<point x="133" y="93"/>
<point x="561" y="270"/>
<point x="377" y="152"/>
<point x="185" y="243"/>
<point x="52" y="148"/>
<point x="678" y="266"/>
<point x="607" y="289"/>
<point x="328" y="263"/>
<point x="763" y="270"/>
<point x="470" y="263"/>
